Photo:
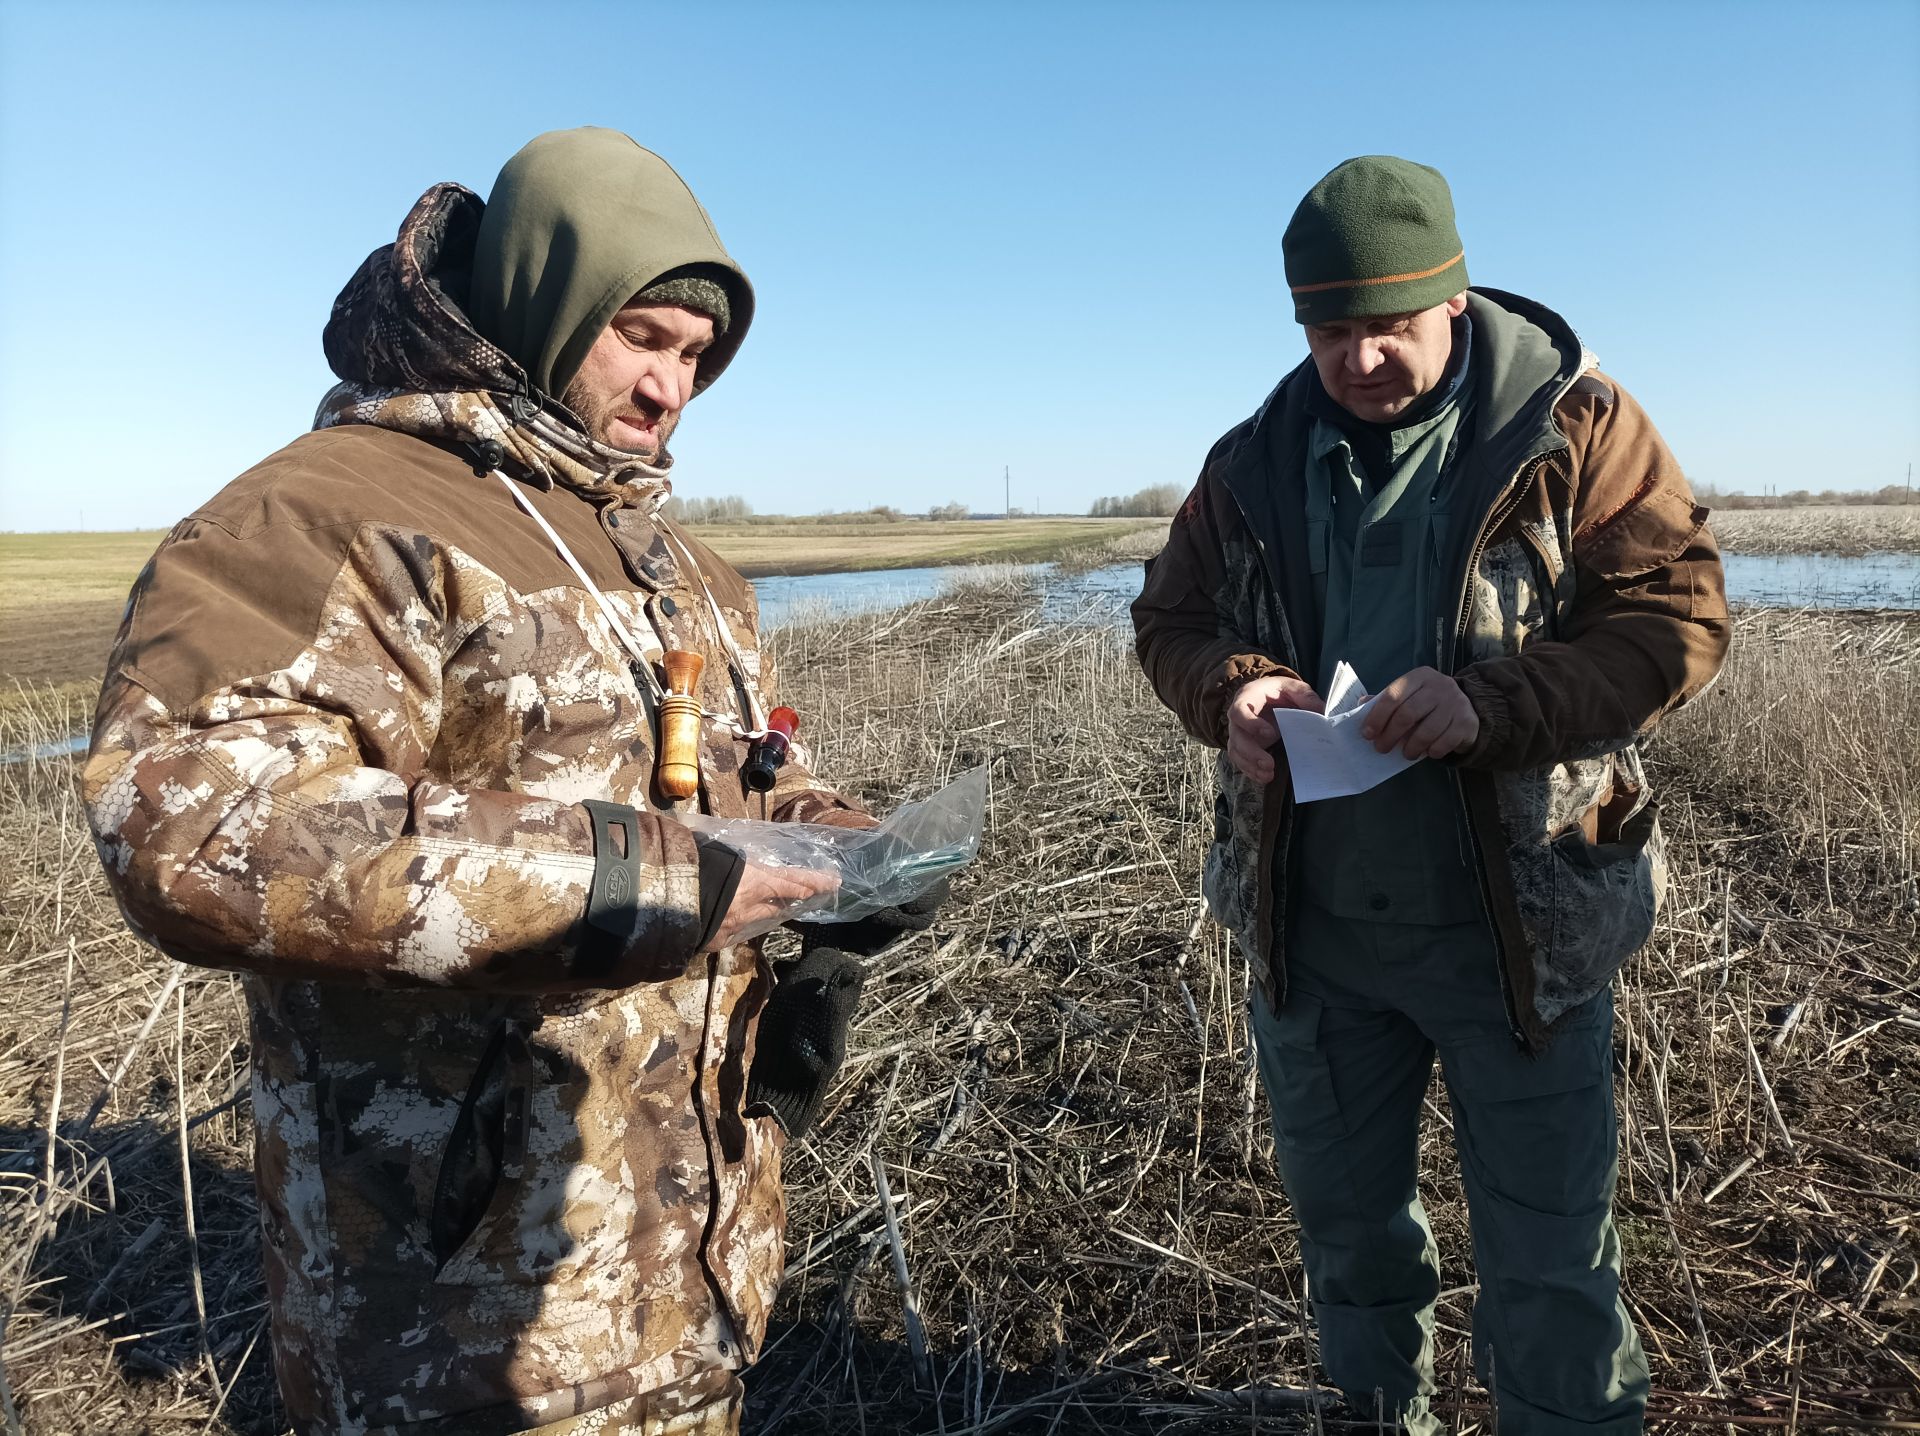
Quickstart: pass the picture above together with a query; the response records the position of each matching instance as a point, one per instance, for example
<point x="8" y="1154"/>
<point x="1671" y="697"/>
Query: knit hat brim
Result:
<point x="693" y="291"/>
<point x="1390" y="294"/>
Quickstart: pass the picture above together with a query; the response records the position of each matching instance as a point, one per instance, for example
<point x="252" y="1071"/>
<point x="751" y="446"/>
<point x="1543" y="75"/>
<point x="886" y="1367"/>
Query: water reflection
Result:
<point x="1812" y="580"/>
<point x="1885" y="580"/>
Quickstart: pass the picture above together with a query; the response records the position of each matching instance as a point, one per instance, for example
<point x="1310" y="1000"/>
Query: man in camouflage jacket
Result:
<point x="368" y="739"/>
<point x="1452" y="495"/>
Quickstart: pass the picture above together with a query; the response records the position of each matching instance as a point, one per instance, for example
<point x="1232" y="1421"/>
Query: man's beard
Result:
<point x="598" y="416"/>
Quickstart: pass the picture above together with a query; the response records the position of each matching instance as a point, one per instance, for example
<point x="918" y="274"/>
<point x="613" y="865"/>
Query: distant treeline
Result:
<point x="732" y="509"/>
<point x="1159" y="501"/>
<point x="1803" y="498"/>
<point x="1150" y="503"/>
<point x="726" y="509"/>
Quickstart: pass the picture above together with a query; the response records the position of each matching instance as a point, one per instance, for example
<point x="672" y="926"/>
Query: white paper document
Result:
<point x="1325" y="752"/>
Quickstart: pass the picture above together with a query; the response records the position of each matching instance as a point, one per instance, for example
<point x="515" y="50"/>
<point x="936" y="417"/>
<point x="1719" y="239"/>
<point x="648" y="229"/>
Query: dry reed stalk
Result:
<point x="1033" y="1069"/>
<point x="909" y="1308"/>
<point x="1848" y="531"/>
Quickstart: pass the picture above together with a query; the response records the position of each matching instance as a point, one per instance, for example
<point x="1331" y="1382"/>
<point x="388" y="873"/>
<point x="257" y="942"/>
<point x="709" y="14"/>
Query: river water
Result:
<point x="1885" y="580"/>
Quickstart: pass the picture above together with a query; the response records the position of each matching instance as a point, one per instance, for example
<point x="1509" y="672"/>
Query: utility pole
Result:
<point x="1006" y="474"/>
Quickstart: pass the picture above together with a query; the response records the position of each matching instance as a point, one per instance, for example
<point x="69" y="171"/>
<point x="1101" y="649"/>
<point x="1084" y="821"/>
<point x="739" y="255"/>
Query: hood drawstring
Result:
<point x="488" y="456"/>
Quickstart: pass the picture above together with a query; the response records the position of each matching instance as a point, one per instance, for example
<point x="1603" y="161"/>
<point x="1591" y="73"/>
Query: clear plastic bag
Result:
<point x="913" y="848"/>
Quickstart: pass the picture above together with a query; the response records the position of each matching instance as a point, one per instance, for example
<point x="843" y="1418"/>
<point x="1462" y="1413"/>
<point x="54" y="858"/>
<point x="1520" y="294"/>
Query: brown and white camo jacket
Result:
<point x="353" y="711"/>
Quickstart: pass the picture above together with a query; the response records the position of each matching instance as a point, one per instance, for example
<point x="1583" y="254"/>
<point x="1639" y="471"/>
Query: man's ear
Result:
<point x="1457" y="305"/>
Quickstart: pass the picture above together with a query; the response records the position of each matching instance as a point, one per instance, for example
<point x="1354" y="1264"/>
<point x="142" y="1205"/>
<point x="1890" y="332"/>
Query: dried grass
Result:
<point x="1845" y="530"/>
<point x="1057" y="1087"/>
<point x="1132" y="547"/>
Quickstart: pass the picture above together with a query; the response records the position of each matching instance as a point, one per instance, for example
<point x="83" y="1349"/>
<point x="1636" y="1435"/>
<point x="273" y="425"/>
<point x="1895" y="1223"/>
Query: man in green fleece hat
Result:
<point x="379" y="734"/>
<point x="1449" y="497"/>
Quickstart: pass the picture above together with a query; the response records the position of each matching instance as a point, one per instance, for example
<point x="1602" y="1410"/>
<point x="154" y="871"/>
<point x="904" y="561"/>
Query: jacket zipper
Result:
<point x="1502" y="507"/>
<point x="1275" y="970"/>
<point x="1276" y="945"/>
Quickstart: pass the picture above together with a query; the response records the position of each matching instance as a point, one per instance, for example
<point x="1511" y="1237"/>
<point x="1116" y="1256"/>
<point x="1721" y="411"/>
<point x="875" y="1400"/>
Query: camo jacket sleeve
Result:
<point x="282" y="815"/>
<point x="799" y="797"/>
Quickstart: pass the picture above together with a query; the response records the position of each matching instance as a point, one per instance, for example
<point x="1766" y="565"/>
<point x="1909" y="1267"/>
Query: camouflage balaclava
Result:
<point x="580" y="222"/>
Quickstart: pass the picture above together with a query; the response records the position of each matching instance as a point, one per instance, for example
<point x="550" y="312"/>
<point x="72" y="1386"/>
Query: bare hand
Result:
<point x="767" y="895"/>
<point x="1250" y="732"/>
<point x="1424" y="714"/>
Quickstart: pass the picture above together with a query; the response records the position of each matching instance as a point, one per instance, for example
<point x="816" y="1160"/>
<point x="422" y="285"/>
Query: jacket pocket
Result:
<point x="519" y="1200"/>
<point x="1220" y="885"/>
<point x="566" y="1193"/>
<point x="491" y="1120"/>
<point x="1602" y="912"/>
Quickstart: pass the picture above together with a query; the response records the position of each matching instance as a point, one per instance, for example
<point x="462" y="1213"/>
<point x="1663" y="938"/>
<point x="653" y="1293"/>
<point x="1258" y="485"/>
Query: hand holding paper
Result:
<point x="1327" y="755"/>
<point x="1250" y="735"/>
<point x="1424" y="713"/>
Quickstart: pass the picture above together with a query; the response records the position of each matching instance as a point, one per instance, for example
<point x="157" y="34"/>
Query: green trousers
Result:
<point x="1346" y="1063"/>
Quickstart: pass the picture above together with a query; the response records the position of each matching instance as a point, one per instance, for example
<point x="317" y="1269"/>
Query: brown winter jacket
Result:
<point x="505" y="1170"/>
<point x="1591" y="602"/>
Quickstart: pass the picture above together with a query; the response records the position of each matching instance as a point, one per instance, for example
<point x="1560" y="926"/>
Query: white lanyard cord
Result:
<point x="641" y="664"/>
<point x="607" y="610"/>
<point x="725" y="632"/>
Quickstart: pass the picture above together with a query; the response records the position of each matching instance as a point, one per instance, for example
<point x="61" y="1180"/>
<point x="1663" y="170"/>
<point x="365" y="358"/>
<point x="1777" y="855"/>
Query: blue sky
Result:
<point x="1045" y="236"/>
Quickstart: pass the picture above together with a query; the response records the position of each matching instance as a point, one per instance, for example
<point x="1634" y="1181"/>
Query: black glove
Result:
<point x="877" y="931"/>
<point x="803" y="1036"/>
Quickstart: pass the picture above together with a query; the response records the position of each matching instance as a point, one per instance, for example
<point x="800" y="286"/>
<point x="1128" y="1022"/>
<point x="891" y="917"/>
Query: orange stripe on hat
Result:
<point x="1383" y="279"/>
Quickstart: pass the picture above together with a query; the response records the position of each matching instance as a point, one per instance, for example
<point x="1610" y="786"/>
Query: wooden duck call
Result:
<point x="678" y="773"/>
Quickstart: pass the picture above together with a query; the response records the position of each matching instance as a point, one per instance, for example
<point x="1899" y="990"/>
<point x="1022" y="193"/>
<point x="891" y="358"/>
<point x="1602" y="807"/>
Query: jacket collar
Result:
<point x="533" y="445"/>
<point x="1524" y="357"/>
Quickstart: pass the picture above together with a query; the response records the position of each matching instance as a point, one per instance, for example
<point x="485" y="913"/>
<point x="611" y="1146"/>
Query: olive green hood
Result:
<point x="578" y="222"/>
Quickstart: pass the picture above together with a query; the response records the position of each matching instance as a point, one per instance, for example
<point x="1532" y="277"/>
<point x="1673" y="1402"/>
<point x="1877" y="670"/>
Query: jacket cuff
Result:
<point x="644" y="912"/>
<point x="720" y="870"/>
<point x="1235" y="674"/>
<point x="1496" y="720"/>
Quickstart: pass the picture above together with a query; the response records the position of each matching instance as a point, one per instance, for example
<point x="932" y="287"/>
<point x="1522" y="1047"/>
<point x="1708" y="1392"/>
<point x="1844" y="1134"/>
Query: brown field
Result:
<point x="62" y="595"/>
<point x="61" y="598"/>
<point x="1058" y="1083"/>
<point x="773" y="546"/>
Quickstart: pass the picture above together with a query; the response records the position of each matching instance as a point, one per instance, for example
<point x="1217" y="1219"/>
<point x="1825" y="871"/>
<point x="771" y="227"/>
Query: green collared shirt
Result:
<point x="1399" y="852"/>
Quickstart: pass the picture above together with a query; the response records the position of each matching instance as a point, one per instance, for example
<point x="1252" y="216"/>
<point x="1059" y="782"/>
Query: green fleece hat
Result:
<point x="1376" y="236"/>
<point x="579" y="222"/>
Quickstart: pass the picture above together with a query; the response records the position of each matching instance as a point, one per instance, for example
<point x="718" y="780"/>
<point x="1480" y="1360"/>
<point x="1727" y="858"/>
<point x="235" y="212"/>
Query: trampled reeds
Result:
<point x="1056" y="1087"/>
